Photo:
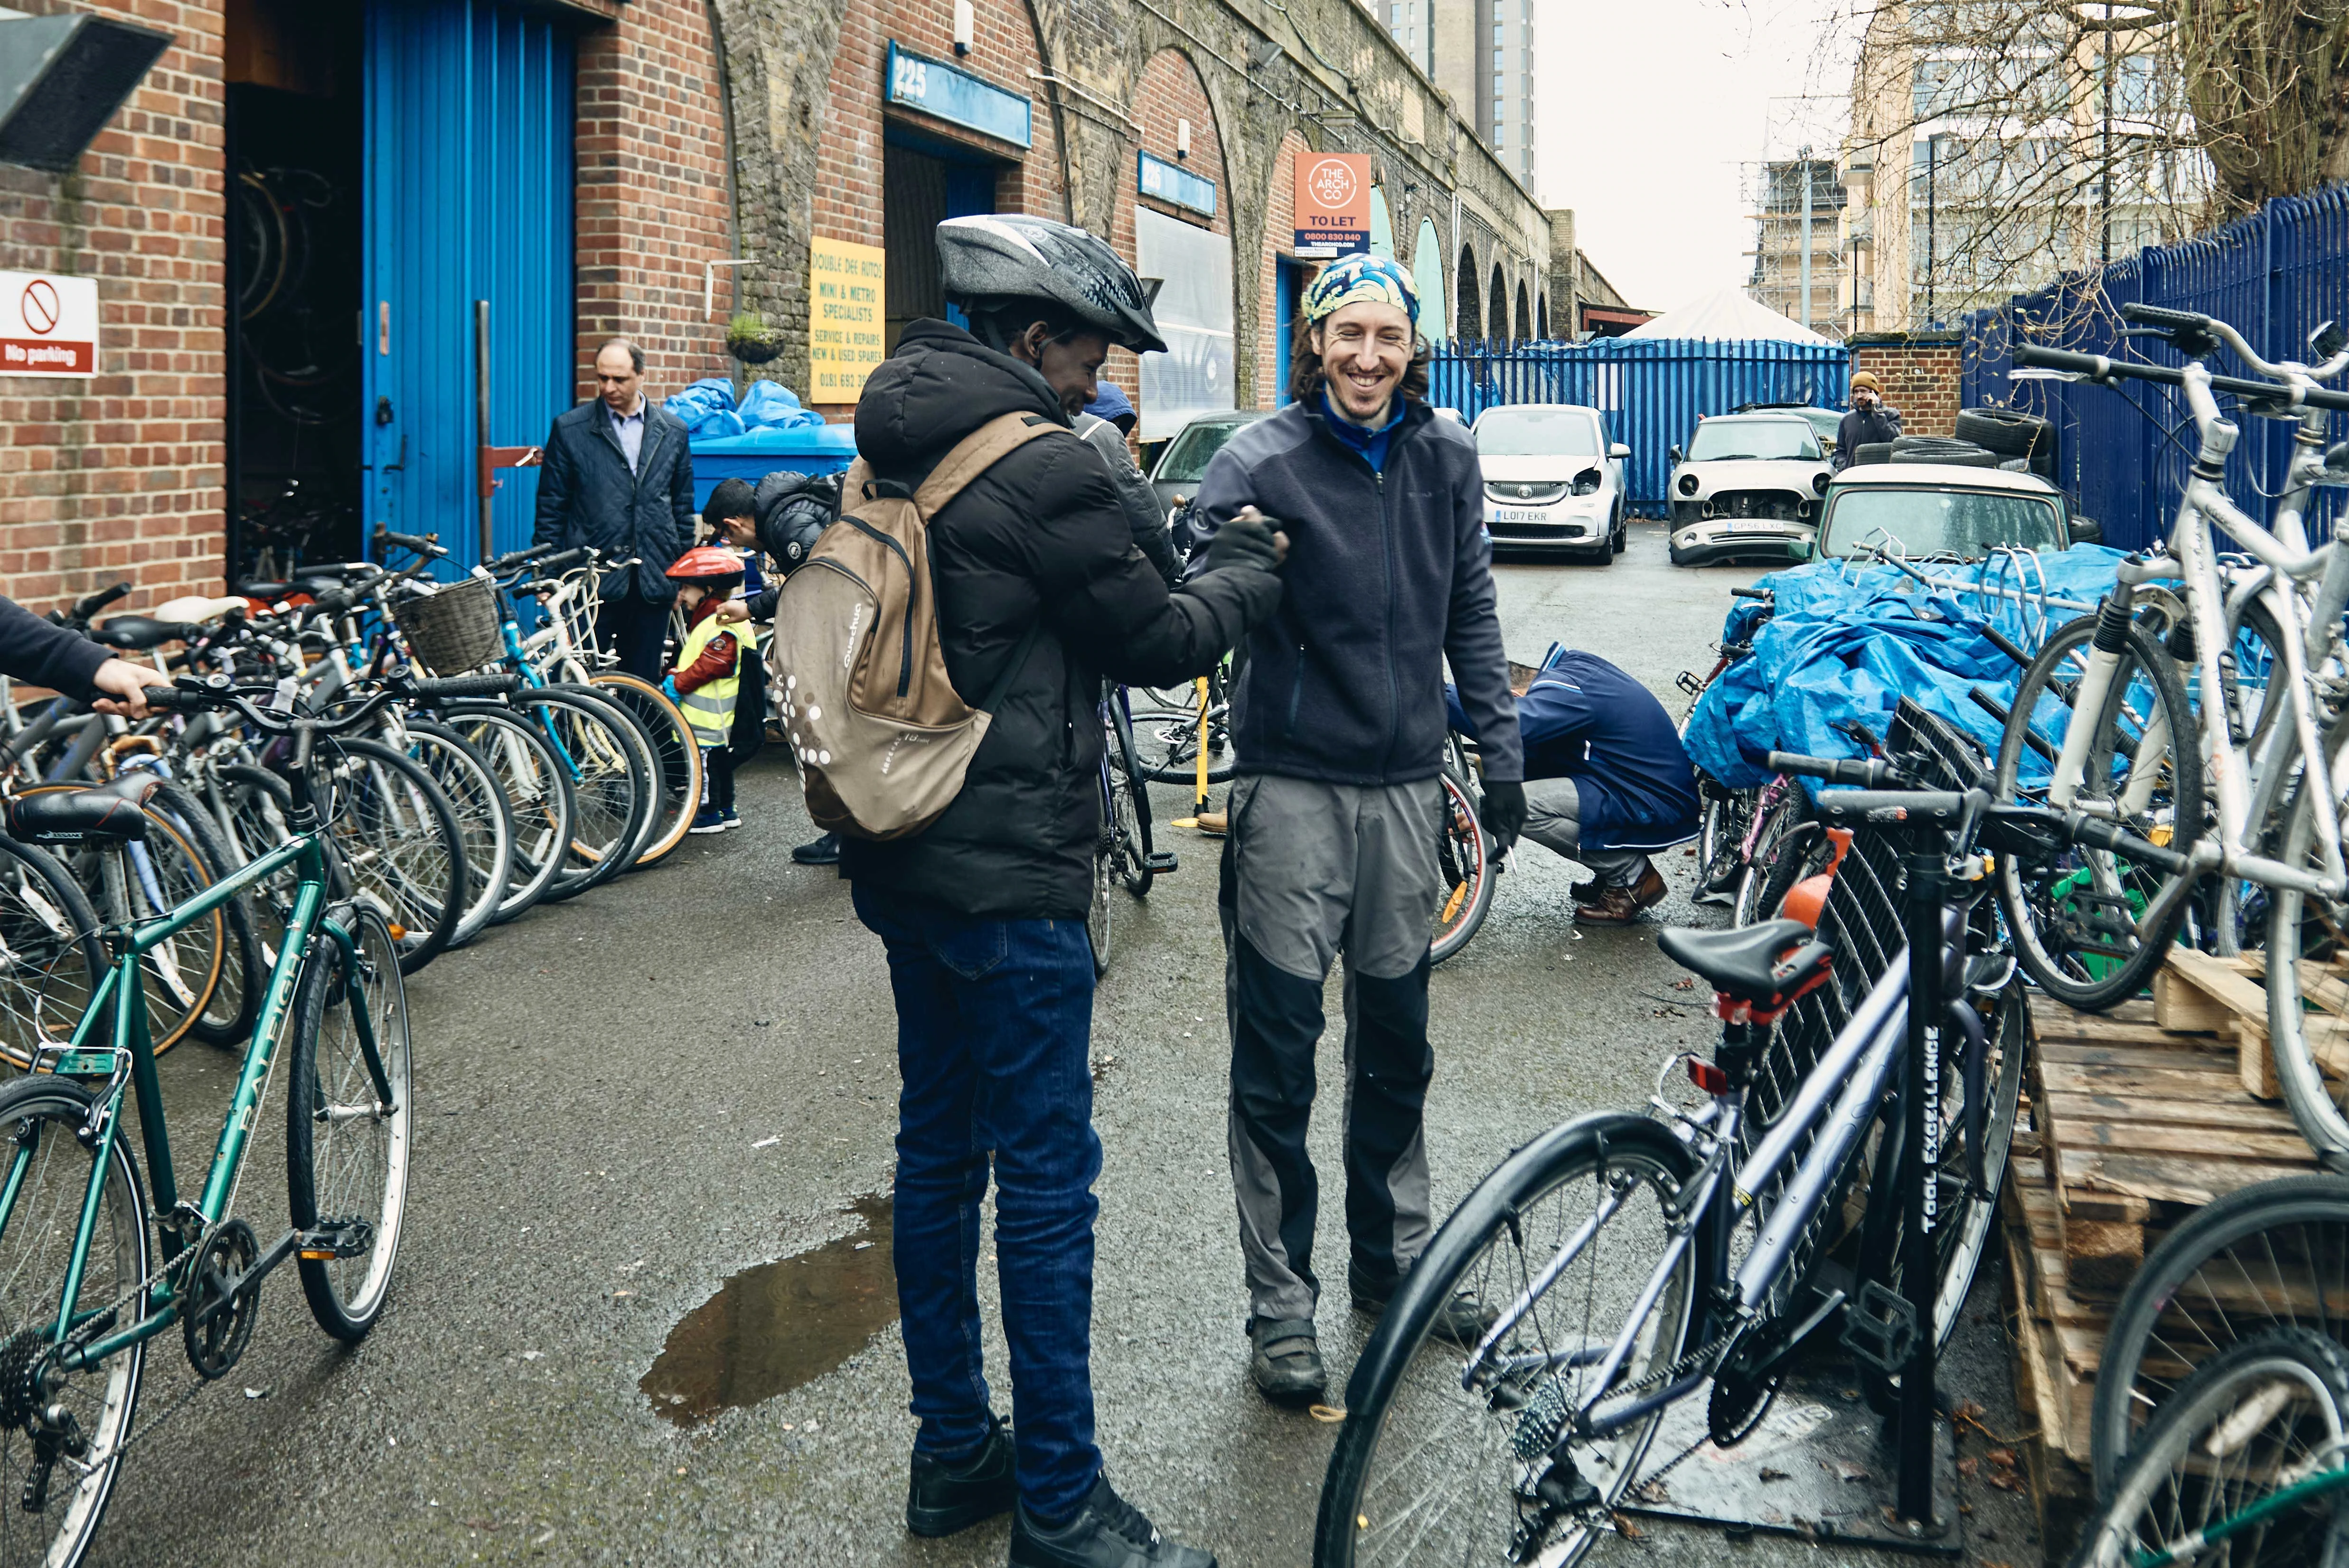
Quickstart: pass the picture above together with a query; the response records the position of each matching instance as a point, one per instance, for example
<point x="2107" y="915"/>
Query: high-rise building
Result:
<point x="1781" y="235"/>
<point x="1482" y="53"/>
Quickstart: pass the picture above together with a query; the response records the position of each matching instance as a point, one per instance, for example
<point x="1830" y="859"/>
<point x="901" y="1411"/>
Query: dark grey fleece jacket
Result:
<point x="1389" y="574"/>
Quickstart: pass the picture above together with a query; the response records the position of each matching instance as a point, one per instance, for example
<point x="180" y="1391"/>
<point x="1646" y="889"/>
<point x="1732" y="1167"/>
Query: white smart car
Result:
<point x="1747" y="489"/>
<point x="1552" y="479"/>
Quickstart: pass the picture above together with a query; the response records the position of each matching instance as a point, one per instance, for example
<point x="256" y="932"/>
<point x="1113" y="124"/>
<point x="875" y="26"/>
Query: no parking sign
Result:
<point x="49" y="324"/>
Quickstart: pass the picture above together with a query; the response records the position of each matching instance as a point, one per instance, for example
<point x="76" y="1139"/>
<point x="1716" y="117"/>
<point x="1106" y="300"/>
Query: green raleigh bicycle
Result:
<point x="91" y="1273"/>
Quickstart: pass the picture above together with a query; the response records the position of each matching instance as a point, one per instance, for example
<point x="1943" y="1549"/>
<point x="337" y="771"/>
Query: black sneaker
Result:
<point x="944" y="1498"/>
<point x="1107" y="1532"/>
<point x="1285" y="1360"/>
<point x="823" y="851"/>
<point x="1464" y="1320"/>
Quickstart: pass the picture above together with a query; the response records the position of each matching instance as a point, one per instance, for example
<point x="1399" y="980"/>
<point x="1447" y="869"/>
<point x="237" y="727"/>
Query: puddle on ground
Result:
<point x="772" y="1328"/>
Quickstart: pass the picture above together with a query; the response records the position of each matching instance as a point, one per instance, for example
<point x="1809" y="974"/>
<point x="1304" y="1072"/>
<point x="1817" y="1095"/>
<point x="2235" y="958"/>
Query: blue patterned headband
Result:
<point x="1361" y="277"/>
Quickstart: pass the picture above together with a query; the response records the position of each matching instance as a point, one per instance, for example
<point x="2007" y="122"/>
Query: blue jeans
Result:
<point x="994" y="1030"/>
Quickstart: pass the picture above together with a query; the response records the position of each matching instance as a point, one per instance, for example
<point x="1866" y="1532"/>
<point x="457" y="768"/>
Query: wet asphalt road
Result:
<point x="627" y="1098"/>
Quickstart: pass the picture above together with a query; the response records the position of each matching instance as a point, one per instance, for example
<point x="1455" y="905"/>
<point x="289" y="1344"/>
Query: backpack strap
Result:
<point x="978" y="452"/>
<point x="1018" y="661"/>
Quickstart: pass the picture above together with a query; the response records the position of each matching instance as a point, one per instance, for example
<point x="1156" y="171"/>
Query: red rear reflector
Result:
<point x="1707" y="1077"/>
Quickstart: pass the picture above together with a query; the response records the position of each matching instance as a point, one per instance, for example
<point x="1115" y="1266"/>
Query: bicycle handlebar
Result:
<point x="1868" y="772"/>
<point x="515" y="558"/>
<point x="1761" y="593"/>
<point x="2097" y="367"/>
<point x="423" y="545"/>
<point x="85" y="608"/>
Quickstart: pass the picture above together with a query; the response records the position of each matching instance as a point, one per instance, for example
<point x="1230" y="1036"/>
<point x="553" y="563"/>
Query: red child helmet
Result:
<point x="705" y="564"/>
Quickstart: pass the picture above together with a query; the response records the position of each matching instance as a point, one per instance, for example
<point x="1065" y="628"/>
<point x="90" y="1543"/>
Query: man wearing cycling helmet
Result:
<point x="1339" y="724"/>
<point x="983" y="911"/>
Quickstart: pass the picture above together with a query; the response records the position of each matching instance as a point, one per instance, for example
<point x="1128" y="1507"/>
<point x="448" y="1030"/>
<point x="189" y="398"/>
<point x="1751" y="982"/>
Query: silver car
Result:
<point x="1552" y="479"/>
<point x="1747" y="489"/>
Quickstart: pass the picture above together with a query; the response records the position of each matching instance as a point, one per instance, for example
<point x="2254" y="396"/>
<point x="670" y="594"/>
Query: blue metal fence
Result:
<point x="1651" y="390"/>
<point x="2274" y="276"/>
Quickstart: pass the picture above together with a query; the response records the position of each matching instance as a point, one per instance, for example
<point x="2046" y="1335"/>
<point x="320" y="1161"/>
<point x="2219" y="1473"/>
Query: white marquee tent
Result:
<point x="1728" y="316"/>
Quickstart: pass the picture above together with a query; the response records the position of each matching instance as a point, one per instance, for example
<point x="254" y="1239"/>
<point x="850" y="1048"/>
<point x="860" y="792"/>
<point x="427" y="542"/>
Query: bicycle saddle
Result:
<point x="138" y="632"/>
<point x="270" y="593"/>
<point x="75" y="816"/>
<point x="1763" y="967"/>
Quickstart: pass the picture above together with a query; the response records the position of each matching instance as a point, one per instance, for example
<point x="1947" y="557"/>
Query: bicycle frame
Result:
<point x="128" y="1062"/>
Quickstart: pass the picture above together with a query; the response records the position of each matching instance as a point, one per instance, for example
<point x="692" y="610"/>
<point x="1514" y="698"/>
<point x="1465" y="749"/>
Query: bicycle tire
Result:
<point x="2051" y="900"/>
<point x="50" y="931"/>
<point x="1527" y="1204"/>
<point x="1720" y="835"/>
<point x="538" y="798"/>
<point x="675" y="748"/>
<point x="1166" y="733"/>
<point x="228" y="1016"/>
<point x="47" y="1113"/>
<point x="329" y="1081"/>
<point x="603" y="753"/>
<point x="2304" y="928"/>
<point x="2227" y="1271"/>
<point x="254" y="810"/>
<point x="484" y="820"/>
<point x="1129" y="803"/>
<point x="2271" y="1406"/>
<point x="637" y="736"/>
<point x="1463" y="863"/>
<point x="1789" y="812"/>
<point x="395" y="836"/>
<point x="1097" y="910"/>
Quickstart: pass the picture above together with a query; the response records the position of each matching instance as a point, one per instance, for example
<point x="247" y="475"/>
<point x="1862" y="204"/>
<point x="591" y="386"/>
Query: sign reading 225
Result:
<point x="913" y="79"/>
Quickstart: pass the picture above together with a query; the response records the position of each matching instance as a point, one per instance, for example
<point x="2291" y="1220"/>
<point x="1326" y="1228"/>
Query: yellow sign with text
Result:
<point x="847" y="296"/>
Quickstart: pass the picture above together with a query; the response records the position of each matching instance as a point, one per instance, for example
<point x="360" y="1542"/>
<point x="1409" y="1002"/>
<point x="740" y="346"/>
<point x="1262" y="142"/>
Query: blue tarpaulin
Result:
<point x="1847" y="642"/>
<point x="711" y="412"/>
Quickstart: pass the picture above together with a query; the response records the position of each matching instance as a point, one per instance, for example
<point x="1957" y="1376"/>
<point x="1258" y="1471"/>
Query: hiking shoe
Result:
<point x="1285" y="1359"/>
<point x="823" y="851"/>
<point x="730" y="819"/>
<point x="1215" y="824"/>
<point x="1622" y="905"/>
<point x="1107" y="1532"/>
<point x="707" y="822"/>
<point x="1464" y="1320"/>
<point x="944" y="1498"/>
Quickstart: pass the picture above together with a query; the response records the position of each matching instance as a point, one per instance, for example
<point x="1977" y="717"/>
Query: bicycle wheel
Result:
<point x="638" y="740"/>
<point x="51" y="1170"/>
<point x="676" y="757"/>
<point x="2220" y="1477"/>
<point x="346" y="1144"/>
<point x="1097" y="912"/>
<point x="2076" y="919"/>
<point x="50" y="961"/>
<point x="1166" y="733"/>
<point x="2305" y="934"/>
<point x="2275" y="1254"/>
<point x="142" y="880"/>
<point x="484" y="824"/>
<point x="537" y="791"/>
<point x="599" y="751"/>
<point x="228" y="1013"/>
<point x="1778" y="833"/>
<point x="1721" y="837"/>
<point x="1449" y="1456"/>
<point x="1129" y="800"/>
<point x="396" y="838"/>
<point x="254" y="809"/>
<point x="1465" y="865"/>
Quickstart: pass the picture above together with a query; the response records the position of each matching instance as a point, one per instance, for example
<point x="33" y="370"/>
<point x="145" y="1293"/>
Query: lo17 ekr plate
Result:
<point x="1521" y="514"/>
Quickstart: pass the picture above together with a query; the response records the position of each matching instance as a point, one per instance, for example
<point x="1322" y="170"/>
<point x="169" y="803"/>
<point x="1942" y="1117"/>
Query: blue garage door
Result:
<point x="469" y="138"/>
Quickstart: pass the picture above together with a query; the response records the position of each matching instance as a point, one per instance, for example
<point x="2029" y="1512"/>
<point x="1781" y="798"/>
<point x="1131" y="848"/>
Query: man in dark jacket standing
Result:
<point x="983" y="912"/>
<point x="1869" y="420"/>
<point x="617" y="475"/>
<point x="1339" y="724"/>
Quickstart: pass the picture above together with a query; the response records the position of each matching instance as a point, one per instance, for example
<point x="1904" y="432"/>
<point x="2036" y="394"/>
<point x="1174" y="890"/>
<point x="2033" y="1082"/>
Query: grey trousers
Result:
<point x="1310" y="871"/>
<point x="1553" y="820"/>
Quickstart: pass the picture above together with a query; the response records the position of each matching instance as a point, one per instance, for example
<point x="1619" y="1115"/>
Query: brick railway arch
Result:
<point x="1169" y="90"/>
<point x="1497" y="302"/>
<point x="1280" y="275"/>
<point x="1468" y="299"/>
<point x="1525" y="322"/>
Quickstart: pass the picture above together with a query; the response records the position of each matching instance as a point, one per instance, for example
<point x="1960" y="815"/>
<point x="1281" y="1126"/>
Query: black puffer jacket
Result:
<point x="1040" y="535"/>
<point x="789" y="509"/>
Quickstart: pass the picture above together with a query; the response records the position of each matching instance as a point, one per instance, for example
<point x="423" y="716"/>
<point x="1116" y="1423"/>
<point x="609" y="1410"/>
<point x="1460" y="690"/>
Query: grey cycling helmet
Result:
<point x="993" y="261"/>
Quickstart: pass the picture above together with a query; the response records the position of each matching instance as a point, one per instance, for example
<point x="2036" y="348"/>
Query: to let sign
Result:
<point x="1333" y="203"/>
<point x="847" y="289"/>
<point x="49" y="324"/>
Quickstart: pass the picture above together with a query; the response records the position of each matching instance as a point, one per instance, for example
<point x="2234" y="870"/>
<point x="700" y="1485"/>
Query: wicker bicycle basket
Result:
<point x="453" y="630"/>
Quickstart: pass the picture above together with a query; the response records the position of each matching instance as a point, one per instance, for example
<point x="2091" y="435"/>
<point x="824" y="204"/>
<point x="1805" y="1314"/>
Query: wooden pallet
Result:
<point x="2052" y="1393"/>
<point x="2226" y="997"/>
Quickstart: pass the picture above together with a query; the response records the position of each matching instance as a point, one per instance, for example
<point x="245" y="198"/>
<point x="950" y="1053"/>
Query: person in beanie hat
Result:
<point x="708" y="675"/>
<point x="1868" y="421"/>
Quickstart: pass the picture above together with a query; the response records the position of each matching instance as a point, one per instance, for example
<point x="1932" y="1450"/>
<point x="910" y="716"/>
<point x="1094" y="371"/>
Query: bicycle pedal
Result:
<point x="1161" y="861"/>
<point x="1880" y="1329"/>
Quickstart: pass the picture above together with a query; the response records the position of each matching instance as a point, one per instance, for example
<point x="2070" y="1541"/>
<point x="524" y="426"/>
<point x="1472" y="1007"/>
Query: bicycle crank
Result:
<point x="225" y="1290"/>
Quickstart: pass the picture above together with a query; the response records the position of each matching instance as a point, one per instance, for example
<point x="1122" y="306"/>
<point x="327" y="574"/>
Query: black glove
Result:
<point x="1243" y="541"/>
<point x="1504" y="812"/>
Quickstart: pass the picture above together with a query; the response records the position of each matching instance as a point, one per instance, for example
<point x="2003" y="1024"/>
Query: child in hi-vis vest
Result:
<point x="708" y="674"/>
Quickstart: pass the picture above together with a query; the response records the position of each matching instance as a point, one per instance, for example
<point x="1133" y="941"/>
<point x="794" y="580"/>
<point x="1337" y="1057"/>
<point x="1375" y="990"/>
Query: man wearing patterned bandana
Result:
<point x="1339" y="725"/>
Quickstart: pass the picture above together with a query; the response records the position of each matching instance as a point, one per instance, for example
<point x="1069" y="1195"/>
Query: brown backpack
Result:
<point x="881" y="736"/>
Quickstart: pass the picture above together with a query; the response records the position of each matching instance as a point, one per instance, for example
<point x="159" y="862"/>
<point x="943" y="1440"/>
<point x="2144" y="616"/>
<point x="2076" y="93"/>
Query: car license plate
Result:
<point x="1519" y="514"/>
<point x="1757" y="528"/>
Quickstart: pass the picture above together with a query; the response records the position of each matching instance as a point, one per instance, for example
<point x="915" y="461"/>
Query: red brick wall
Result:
<point x="849" y="179"/>
<point x="123" y="476"/>
<point x="1171" y="91"/>
<point x="1920" y="376"/>
<point x="653" y="200"/>
<point x="1279" y="240"/>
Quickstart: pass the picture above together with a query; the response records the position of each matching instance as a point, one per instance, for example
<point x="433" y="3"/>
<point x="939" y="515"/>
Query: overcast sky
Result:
<point x="1649" y="108"/>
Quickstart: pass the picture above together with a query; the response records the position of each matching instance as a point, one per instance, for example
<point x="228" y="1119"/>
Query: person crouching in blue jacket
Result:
<point x="1606" y="781"/>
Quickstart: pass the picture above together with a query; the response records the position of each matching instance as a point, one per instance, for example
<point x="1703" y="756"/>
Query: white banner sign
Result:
<point x="49" y="324"/>
<point x="1194" y="311"/>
